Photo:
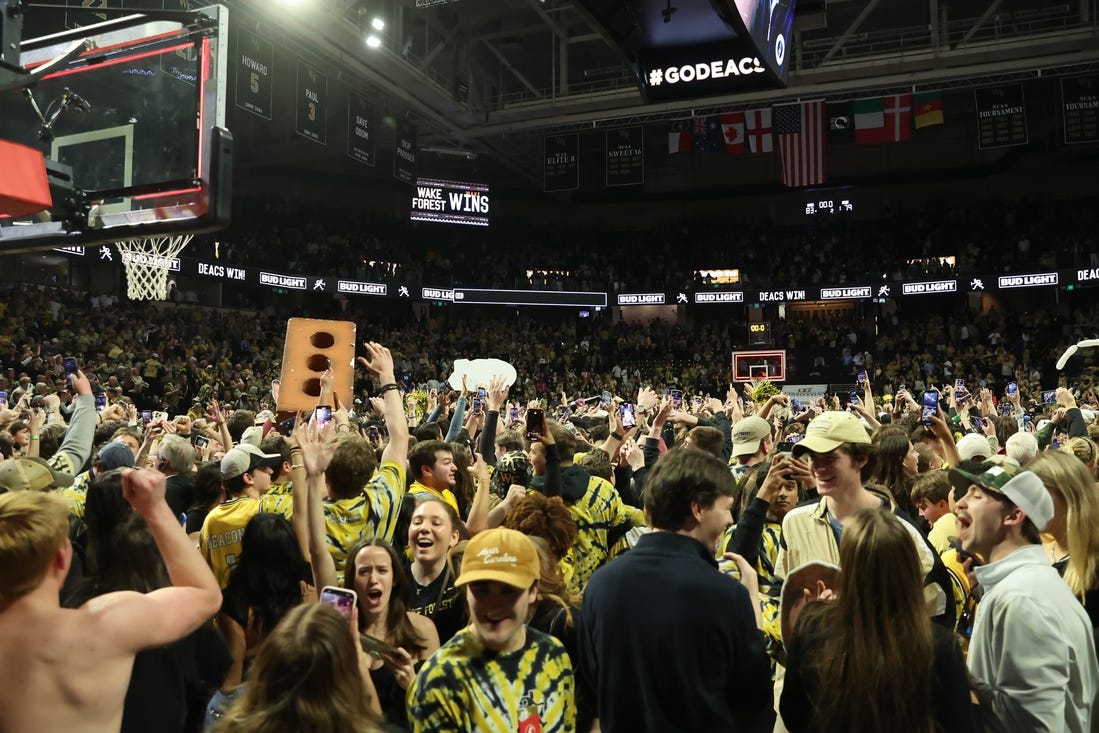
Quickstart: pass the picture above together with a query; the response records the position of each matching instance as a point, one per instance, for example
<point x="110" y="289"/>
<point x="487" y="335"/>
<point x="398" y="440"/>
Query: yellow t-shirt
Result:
<point x="446" y="494"/>
<point x="220" y="539"/>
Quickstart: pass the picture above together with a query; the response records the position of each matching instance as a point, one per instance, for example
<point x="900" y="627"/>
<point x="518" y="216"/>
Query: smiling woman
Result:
<point x="434" y="531"/>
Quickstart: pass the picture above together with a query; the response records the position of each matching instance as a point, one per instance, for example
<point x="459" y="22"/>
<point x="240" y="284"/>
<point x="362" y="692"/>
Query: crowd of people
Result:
<point x="940" y="241"/>
<point x="611" y="541"/>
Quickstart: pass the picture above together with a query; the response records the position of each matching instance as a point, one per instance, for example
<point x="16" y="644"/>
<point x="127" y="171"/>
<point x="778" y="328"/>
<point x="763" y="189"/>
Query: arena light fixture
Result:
<point x="377" y="24"/>
<point x="373" y="41"/>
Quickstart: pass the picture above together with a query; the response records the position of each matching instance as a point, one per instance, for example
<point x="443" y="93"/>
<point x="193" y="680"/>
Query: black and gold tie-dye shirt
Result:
<point x="465" y="687"/>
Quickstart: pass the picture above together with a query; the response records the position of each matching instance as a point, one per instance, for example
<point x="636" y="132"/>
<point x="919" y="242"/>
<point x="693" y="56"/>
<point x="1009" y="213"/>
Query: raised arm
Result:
<point x="379" y="362"/>
<point x="136" y="621"/>
<point x="317" y="450"/>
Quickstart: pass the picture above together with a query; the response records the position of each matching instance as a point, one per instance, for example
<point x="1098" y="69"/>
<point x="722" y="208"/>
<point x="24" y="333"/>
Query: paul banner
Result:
<point x="625" y="156"/>
<point x="561" y="163"/>
<point x="703" y="49"/>
<point x="312" y="103"/>
<point x="1001" y="116"/>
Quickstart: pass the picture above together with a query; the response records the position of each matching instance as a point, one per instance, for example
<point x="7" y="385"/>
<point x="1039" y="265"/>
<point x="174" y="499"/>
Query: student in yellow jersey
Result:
<point x="498" y="674"/>
<point x="432" y="465"/>
<point x="246" y="476"/>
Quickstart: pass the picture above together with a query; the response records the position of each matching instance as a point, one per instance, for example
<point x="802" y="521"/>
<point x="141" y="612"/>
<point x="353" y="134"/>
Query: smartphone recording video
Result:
<point x="535" y="419"/>
<point x="323" y="416"/>
<point x="70" y="365"/>
<point x="628" y="415"/>
<point x="677" y="399"/>
<point x="100" y="402"/>
<point x="930" y="406"/>
<point x="341" y="599"/>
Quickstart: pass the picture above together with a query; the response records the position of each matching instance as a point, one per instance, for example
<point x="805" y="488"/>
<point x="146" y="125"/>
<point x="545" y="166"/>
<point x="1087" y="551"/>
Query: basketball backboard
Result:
<point x="139" y="116"/>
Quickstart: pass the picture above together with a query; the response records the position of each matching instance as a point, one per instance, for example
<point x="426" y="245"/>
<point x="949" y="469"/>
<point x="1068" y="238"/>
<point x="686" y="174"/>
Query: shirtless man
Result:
<point x="68" y="670"/>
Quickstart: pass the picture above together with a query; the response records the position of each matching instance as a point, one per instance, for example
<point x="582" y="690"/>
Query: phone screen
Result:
<point x="629" y="417"/>
<point x="1012" y="387"/>
<point x="481" y="392"/>
<point x="3" y="397"/>
<point x="477" y="405"/>
<point x="146" y="417"/>
<point x="930" y="406"/>
<point x="341" y="599"/>
<point x="100" y="402"/>
<point x="861" y="376"/>
<point x="513" y="415"/>
<point x="323" y="415"/>
<point x="605" y="398"/>
<point x="677" y="399"/>
<point x="201" y="441"/>
<point x="70" y="365"/>
<point x="1049" y="396"/>
<point x="373" y="432"/>
<point x="959" y="389"/>
<point x="535" y="418"/>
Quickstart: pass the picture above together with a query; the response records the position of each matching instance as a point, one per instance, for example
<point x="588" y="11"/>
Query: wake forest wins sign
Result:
<point x="451" y="202"/>
<point x="1001" y="116"/>
<point x="625" y="156"/>
<point x="312" y="103"/>
<point x="1080" y="109"/>
<point x="254" y="64"/>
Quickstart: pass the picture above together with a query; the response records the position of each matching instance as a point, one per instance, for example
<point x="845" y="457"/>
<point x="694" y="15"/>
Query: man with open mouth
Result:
<point x="1032" y="656"/>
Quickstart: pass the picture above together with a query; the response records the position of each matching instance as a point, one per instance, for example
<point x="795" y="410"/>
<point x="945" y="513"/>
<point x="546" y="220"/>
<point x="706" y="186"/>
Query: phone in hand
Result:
<point x="1012" y="388"/>
<point x="959" y="388"/>
<point x="70" y="365"/>
<point x="100" y="401"/>
<point x="930" y="406"/>
<point x="628" y="415"/>
<point x="535" y="419"/>
<point x="146" y="417"/>
<point x="378" y="649"/>
<point x="1049" y="397"/>
<point x="286" y="427"/>
<point x="605" y="398"/>
<point x="860" y="376"/>
<point x="3" y="398"/>
<point x="201" y="441"/>
<point x="341" y="599"/>
<point x="478" y="406"/>
<point x="481" y="393"/>
<point x="513" y="415"/>
<point x="323" y="416"/>
<point x="677" y="399"/>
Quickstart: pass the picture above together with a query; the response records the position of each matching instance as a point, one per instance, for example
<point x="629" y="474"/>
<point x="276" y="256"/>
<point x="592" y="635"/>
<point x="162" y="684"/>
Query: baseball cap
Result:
<point x="115" y="455"/>
<point x="829" y="431"/>
<point x="246" y="457"/>
<point x="748" y="433"/>
<point x="974" y="446"/>
<point x="500" y="554"/>
<point x="252" y="436"/>
<point x="515" y="461"/>
<point x="1023" y="488"/>
<point x="31" y="474"/>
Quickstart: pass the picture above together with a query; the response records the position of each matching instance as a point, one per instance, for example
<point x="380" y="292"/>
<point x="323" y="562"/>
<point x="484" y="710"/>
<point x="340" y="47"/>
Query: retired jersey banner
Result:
<point x="360" y="128"/>
<point x="404" y="152"/>
<point x="312" y="103"/>
<point x="1080" y="108"/>
<point x="626" y="156"/>
<point x="254" y="63"/>
<point x="1001" y="116"/>
<point x="561" y="163"/>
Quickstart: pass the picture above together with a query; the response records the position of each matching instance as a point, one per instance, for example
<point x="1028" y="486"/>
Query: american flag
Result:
<point x="799" y="129"/>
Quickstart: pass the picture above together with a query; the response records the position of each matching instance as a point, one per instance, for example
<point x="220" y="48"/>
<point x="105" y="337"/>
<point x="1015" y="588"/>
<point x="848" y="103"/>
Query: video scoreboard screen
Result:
<point x="451" y="202"/>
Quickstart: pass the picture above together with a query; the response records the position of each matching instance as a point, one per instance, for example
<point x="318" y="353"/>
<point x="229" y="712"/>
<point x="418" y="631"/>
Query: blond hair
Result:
<point x="33" y="527"/>
<point x="1071" y="480"/>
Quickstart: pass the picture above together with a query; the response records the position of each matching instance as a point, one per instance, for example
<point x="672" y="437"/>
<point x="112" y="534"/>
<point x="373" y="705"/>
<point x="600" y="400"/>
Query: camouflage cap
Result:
<point x="1023" y="488"/>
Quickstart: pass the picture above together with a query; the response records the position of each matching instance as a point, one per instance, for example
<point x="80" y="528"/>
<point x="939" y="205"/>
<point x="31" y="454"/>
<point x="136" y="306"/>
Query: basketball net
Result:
<point x="148" y="262"/>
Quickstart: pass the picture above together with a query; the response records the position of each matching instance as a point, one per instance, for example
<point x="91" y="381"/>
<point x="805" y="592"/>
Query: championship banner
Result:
<point x="312" y="103"/>
<point x="1001" y="116"/>
<point x="404" y="152"/>
<point x="625" y="162"/>
<point x="1080" y="109"/>
<point x="254" y="63"/>
<point x="561" y="163"/>
<point x="360" y="128"/>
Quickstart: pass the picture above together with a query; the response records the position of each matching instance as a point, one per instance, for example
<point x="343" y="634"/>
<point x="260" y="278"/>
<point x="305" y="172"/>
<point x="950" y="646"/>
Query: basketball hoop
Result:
<point x="148" y="262"/>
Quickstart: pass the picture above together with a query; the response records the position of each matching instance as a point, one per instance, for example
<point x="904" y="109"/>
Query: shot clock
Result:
<point x="759" y="333"/>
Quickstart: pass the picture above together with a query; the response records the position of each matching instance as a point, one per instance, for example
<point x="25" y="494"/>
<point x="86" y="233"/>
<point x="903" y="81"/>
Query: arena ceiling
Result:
<point x="489" y="77"/>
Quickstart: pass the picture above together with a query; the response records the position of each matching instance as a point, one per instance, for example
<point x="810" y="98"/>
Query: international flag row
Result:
<point x="802" y="130"/>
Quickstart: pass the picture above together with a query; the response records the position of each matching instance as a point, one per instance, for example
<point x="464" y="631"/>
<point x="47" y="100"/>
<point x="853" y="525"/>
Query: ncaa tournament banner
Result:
<point x="360" y="128"/>
<point x="1001" y="116"/>
<point x="1080" y="109"/>
<point x="404" y="152"/>
<point x="254" y="64"/>
<point x="625" y="156"/>
<point x="561" y="163"/>
<point x="312" y="103"/>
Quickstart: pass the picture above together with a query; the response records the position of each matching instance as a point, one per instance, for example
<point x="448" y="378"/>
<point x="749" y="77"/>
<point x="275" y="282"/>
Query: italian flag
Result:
<point x="870" y="121"/>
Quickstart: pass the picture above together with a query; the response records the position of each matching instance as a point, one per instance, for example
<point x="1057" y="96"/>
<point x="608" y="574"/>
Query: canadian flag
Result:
<point x="733" y="130"/>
